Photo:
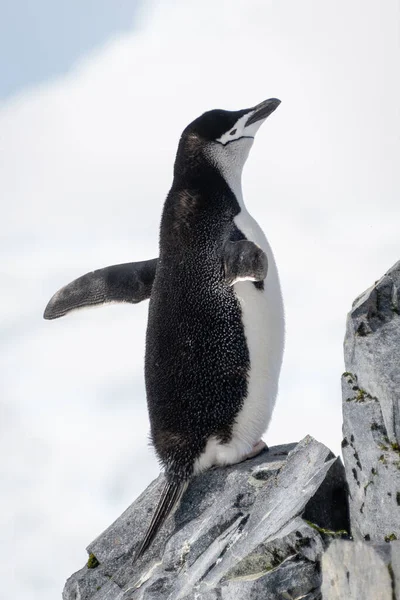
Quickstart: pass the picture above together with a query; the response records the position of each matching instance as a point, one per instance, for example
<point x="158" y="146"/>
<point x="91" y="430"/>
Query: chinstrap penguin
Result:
<point x="215" y="333"/>
<point x="215" y="330"/>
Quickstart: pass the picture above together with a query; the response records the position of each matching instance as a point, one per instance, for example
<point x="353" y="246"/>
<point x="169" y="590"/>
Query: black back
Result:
<point x="197" y="360"/>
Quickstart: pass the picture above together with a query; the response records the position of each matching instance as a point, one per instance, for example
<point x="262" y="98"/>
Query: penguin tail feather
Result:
<point x="170" y="497"/>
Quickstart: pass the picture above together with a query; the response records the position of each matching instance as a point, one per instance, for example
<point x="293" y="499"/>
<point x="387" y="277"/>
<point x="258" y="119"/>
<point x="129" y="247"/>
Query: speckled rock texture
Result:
<point x="361" y="571"/>
<point x="371" y="410"/>
<point x="255" y="530"/>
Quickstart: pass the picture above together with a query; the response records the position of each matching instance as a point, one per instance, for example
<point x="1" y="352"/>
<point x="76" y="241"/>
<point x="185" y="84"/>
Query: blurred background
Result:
<point x="94" y="96"/>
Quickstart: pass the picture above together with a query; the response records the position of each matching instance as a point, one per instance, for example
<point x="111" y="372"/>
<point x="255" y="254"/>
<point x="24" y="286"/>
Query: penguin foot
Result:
<point x="257" y="449"/>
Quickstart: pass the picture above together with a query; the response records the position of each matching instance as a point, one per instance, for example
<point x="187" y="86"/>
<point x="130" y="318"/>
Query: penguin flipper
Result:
<point x="129" y="282"/>
<point x="170" y="497"/>
<point x="244" y="260"/>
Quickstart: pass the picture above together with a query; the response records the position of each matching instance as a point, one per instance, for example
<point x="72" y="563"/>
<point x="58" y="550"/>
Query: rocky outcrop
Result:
<point x="371" y="410"/>
<point x="370" y="569"/>
<point x="371" y="348"/>
<point x="277" y="527"/>
<point x="252" y="530"/>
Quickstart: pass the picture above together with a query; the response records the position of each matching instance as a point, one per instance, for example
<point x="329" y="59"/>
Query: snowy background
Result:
<point x="93" y="100"/>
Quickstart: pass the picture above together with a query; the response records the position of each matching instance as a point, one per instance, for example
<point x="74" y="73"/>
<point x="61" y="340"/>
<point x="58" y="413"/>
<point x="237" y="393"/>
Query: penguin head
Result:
<point x="223" y="137"/>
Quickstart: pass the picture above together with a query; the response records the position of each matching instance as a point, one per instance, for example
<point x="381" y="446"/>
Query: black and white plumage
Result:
<point x="215" y="332"/>
<point x="129" y="282"/>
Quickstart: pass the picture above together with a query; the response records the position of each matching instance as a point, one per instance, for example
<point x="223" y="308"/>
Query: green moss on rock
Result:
<point x="250" y="567"/>
<point x="92" y="562"/>
<point x="328" y="532"/>
<point x="395" y="446"/>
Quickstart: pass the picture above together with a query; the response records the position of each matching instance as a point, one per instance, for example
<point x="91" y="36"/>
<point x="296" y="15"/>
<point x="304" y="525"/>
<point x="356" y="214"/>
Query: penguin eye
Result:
<point x="233" y="132"/>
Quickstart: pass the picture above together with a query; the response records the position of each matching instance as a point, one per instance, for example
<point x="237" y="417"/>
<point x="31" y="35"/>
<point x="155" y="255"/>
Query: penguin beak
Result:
<point x="262" y="111"/>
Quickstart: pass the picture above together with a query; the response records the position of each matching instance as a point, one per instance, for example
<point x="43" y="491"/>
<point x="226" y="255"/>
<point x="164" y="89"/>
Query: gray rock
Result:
<point x="372" y="467"/>
<point x="239" y="533"/>
<point x="356" y="570"/>
<point x="372" y="348"/>
<point x="371" y="408"/>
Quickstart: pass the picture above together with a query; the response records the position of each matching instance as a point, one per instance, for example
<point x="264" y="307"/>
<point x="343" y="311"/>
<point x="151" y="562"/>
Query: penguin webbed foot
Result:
<point x="261" y="446"/>
<point x="244" y="260"/>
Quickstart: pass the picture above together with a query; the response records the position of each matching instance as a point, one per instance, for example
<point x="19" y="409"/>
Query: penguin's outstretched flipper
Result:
<point x="170" y="497"/>
<point x="244" y="261"/>
<point x="129" y="282"/>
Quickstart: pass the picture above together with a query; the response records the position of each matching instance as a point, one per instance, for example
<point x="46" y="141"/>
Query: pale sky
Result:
<point x="86" y="162"/>
<point x="43" y="39"/>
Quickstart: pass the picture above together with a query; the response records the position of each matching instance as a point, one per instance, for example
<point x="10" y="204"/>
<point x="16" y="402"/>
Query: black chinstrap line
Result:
<point x="245" y="137"/>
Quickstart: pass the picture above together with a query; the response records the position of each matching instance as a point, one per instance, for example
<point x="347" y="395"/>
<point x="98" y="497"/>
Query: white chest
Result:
<point x="263" y="320"/>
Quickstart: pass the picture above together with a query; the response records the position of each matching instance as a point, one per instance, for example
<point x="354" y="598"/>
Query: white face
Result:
<point x="229" y="152"/>
<point x="239" y="130"/>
